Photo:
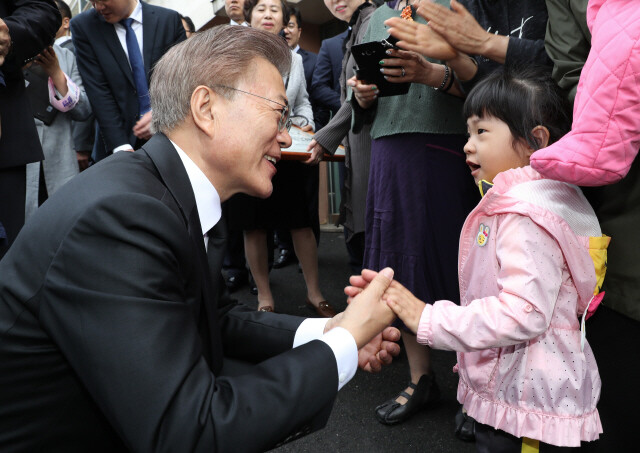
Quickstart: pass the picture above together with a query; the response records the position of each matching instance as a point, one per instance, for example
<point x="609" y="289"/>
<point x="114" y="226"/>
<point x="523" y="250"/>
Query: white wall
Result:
<point x="200" y="11"/>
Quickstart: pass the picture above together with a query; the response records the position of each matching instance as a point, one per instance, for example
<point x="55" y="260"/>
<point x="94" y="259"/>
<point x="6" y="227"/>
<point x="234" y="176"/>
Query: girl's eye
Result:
<point x="480" y="131"/>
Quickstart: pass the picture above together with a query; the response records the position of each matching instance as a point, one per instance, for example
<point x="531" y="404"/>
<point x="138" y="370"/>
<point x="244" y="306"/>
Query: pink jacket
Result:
<point x="525" y="275"/>
<point x="605" y="135"/>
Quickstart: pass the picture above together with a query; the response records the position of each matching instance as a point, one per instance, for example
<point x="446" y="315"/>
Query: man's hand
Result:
<point x="379" y="351"/>
<point x="317" y="151"/>
<point x="142" y="129"/>
<point x="367" y="314"/>
<point x="5" y="41"/>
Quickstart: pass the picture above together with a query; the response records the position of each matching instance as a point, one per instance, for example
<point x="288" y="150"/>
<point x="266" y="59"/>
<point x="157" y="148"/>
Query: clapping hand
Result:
<point x="420" y="38"/>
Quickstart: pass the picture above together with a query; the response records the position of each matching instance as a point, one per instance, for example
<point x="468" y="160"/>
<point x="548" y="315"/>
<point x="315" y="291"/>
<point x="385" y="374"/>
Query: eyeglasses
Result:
<point x="283" y="123"/>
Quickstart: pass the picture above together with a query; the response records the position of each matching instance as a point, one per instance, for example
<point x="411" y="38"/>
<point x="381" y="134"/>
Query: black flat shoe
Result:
<point x="285" y="258"/>
<point x="426" y="393"/>
<point x="465" y="426"/>
<point x="234" y="282"/>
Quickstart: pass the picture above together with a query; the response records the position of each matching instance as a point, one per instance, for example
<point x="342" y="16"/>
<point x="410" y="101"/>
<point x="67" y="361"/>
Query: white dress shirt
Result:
<point x="121" y="31"/>
<point x="339" y="339"/>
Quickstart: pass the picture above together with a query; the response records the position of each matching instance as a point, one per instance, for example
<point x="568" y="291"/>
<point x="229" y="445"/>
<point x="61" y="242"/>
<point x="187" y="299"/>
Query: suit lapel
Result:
<point x="149" y="28"/>
<point x="108" y="31"/>
<point x="174" y="176"/>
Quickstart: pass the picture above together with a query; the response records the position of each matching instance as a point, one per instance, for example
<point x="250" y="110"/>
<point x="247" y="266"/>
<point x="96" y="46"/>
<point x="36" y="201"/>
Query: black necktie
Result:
<point x="215" y="250"/>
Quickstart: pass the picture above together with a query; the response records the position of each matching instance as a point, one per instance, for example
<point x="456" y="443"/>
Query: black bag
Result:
<point x="37" y="89"/>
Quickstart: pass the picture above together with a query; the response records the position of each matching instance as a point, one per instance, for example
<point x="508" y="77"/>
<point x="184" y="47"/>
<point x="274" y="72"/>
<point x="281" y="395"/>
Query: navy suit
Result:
<point x="326" y="77"/>
<point x="32" y="25"/>
<point x="106" y="73"/>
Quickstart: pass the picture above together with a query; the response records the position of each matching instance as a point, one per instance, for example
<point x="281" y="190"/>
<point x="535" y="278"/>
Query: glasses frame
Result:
<point x="283" y="123"/>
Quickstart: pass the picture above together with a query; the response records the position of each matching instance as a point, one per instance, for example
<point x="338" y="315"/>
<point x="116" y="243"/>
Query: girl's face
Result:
<point x="267" y="16"/>
<point x="343" y="9"/>
<point x="490" y="148"/>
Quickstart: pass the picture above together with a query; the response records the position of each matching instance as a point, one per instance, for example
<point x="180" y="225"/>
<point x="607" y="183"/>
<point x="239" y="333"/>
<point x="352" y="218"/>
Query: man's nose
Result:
<point x="284" y="139"/>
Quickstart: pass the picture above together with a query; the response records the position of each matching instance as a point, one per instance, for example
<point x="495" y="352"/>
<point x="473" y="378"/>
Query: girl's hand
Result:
<point x="405" y="305"/>
<point x="365" y="94"/>
<point x="420" y="38"/>
<point x="405" y="66"/>
<point x="359" y="283"/>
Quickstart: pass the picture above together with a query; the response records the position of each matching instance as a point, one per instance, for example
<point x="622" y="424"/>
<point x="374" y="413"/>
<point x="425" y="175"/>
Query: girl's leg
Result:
<point x="491" y="440"/>
<point x="419" y="358"/>
<point x="255" y="246"/>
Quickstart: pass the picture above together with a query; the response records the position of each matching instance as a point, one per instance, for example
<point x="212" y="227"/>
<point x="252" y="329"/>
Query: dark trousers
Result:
<point x="490" y="440"/>
<point x="615" y="340"/>
<point x="13" y="187"/>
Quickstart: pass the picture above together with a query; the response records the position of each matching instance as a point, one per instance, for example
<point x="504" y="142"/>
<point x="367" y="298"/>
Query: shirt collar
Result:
<point x="62" y="39"/>
<point x="207" y="198"/>
<point x="297" y="48"/>
<point x="137" y="13"/>
<point x="233" y="22"/>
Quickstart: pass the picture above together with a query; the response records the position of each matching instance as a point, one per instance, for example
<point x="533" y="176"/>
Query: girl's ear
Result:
<point x="541" y="135"/>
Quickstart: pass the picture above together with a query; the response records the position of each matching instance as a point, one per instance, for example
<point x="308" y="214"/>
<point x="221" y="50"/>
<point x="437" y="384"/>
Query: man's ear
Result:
<point x="203" y="108"/>
<point x="65" y="23"/>
<point x="541" y="135"/>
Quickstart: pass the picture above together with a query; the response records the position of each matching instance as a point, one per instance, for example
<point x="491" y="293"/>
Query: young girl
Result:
<point x="531" y="260"/>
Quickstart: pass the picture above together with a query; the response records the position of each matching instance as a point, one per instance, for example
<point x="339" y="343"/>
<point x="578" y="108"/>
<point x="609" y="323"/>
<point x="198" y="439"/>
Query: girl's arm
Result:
<point x="529" y="280"/>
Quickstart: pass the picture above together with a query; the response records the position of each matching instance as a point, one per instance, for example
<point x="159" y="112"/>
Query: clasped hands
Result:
<point x="374" y="301"/>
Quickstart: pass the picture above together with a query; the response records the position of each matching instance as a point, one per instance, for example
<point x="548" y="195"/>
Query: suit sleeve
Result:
<point x="32" y="26"/>
<point x="302" y="112"/>
<point x="130" y="333"/>
<point x="529" y="278"/>
<point x="322" y="81"/>
<point x="105" y="107"/>
<point x="82" y="110"/>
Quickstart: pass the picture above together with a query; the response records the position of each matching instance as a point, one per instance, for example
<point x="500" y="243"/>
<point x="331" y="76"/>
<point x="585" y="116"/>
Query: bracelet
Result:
<point x="445" y="80"/>
<point x="450" y="84"/>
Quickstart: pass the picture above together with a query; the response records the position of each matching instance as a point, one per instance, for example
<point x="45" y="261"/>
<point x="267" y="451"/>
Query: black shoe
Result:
<point x="425" y="394"/>
<point x="285" y="258"/>
<point x="253" y="289"/>
<point x="235" y="282"/>
<point x="465" y="426"/>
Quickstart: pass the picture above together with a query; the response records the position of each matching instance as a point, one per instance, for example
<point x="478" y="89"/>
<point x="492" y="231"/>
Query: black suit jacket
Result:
<point x="112" y="339"/>
<point x="106" y="73"/>
<point x="32" y="25"/>
<point x="309" y="63"/>
<point x="326" y="78"/>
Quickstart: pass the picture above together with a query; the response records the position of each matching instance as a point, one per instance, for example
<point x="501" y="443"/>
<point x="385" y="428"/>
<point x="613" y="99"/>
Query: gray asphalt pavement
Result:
<point x="352" y="426"/>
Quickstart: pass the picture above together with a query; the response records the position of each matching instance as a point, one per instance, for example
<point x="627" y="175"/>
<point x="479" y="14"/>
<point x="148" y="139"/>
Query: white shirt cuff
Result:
<point x="122" y="148"/>
<point x="338" y="339"/>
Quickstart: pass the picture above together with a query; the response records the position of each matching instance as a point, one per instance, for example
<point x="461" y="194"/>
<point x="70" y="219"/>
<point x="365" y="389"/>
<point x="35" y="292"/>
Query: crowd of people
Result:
<point x="489" y="195"/>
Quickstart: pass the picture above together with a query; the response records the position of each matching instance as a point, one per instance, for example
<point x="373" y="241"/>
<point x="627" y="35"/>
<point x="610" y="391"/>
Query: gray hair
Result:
<point x="222" y="55"/>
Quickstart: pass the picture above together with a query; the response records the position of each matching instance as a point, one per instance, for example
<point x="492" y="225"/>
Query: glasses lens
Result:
<point x="284" y="122"/>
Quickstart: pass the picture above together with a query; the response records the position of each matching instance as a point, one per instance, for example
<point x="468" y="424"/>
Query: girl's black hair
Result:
<point x="523" y="98"/>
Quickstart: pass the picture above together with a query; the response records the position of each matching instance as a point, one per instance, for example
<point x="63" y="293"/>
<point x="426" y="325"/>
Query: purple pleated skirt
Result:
<point x="420" y="193"/>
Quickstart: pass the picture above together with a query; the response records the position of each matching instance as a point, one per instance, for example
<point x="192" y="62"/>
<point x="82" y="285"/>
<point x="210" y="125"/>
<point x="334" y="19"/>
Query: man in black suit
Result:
<point x="26" y="28"/>
<point x="325" y="84"/>
<point x="149" y="354"/>
<point x="118" y="96"/>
